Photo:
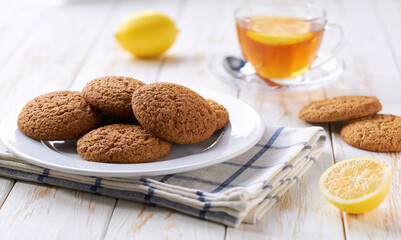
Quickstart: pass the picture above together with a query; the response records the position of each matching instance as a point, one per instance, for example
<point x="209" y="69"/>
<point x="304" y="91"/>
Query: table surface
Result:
<point x="50" y="45"/>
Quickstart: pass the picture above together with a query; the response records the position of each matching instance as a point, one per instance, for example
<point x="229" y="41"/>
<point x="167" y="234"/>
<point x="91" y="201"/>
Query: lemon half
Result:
<point x="147" y="34"/>
<point x="356" y="185"/>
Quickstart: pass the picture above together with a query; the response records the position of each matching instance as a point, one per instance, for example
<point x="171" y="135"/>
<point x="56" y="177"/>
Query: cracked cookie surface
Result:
<point x="174" y="113"/>
<point x="59" y="115"/>
<point x="221" y="113"/>
<point x="379" y="133"/>
<point x="112" y="95"/>
<point x="122" y="143"/>
<point x="340" y="108"/>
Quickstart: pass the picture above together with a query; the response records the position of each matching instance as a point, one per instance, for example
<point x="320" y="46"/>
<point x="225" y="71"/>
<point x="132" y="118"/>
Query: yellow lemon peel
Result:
<point x="356" y="185"/>
<point x="146" y="34"/>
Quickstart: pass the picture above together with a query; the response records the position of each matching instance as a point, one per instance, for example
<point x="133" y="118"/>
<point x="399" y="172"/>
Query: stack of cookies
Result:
<point x="123" y="120"/>
<point x="366" y="129"/>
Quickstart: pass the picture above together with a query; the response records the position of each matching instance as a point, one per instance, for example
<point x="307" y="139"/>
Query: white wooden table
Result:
<point x="49" y="45"/>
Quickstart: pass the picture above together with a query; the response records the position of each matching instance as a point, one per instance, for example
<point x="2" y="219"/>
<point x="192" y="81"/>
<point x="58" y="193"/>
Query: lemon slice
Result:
<point x="279" y="30"/>
<point x="356" y="185"/>
<point x="146" y="34"/>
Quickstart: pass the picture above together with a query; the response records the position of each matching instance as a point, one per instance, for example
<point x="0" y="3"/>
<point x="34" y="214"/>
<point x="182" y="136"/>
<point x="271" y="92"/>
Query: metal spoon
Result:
<point x="241" y="69"/>
<point x="238" y="68"/>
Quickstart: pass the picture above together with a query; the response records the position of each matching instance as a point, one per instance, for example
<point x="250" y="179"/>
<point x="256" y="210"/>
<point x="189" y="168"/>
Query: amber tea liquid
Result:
<point x="279" y="47"/>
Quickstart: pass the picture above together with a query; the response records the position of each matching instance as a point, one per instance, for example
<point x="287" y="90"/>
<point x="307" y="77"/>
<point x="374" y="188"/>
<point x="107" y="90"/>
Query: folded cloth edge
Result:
<point x="145" y="193"/>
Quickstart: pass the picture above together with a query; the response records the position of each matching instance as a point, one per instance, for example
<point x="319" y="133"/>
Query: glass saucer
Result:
<point x="311" y="80"/>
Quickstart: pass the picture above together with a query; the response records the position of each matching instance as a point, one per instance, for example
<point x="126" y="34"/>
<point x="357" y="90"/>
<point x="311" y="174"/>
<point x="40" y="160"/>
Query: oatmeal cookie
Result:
<point x="174" y="113"/>
<point x="221" y="113"/>
<point x="57" y="116"/>
<point x="112" y="95"/>
<point x="379" y="133"/>
<point x="122" y="143"/>
<point x="340" y="108"/>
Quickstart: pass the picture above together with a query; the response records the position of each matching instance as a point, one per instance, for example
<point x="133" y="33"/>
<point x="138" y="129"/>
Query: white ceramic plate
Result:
<point x="240" y="134"/>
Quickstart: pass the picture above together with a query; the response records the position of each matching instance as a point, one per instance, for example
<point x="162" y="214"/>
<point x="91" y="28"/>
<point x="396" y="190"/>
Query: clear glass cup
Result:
<point x="281" y="39"/>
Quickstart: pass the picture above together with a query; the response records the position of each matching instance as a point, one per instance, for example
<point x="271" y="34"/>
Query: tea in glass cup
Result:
<point x="281" y="40"/>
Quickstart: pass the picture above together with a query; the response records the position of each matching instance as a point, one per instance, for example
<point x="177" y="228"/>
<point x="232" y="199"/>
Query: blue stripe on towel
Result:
<point x="267" y="186"/>
<point x="273" y="197"/>
<point x="44" y="175"/>
<point x="165" y="178"/>
<point x="206" y="207"/>
<point x="252" y="166"/>
<point x="201" y="197"/>
<point x="250" y="162"/>
<point x="287" y="166"/>
<point x="311" y="158"/>
<point x="201" y="180"/>
<point x="98" y="182"/>
<point x="151" y="191"/>
<point x="303" y="143"/>
<point x="321" y="138"/>
<point x="124" y="194"/>
<point x="148" y="196"/>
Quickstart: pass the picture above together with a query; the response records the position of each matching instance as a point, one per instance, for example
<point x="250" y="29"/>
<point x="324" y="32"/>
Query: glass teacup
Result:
<point x="281" y="39"/>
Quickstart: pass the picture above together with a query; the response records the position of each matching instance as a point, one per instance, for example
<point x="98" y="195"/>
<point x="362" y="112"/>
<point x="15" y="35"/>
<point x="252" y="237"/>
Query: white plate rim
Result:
<point x="9" y="124"/>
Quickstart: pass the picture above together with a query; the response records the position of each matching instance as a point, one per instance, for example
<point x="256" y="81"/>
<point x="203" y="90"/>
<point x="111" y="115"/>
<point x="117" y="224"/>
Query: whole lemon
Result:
<point x="146" y="34"/>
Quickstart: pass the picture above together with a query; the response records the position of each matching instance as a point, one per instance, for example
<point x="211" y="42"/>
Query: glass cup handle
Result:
<point x="324" y="58"/>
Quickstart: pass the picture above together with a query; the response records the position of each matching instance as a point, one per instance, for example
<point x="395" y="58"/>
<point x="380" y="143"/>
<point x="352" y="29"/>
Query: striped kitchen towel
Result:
<point x="239" y="190"/>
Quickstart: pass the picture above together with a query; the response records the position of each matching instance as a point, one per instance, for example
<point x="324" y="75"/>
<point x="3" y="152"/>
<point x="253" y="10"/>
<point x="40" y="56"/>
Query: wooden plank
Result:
<point x="48" y="60"/>
<point x="371" y="71"/>
<point x="52" y="54"/>
<point x="5" y="188"/>
<point x="108" y="58"/>
<point x="37" y="212"/>
<point x="142" y="221"/>
<point x="277" y="108"/>
<point x="302" y="213"/>
<point x="205" y="32"/>
<point x="17" y="20"/>
<point x="128" y="219"/>
<point x="365" y="68"/>
<point x="303" y="208"/>
<point x="207" y="29"/>
<point x="5" y="184"/>
<point x="388" y="15"/>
